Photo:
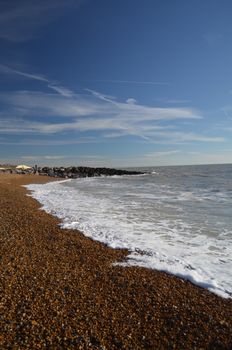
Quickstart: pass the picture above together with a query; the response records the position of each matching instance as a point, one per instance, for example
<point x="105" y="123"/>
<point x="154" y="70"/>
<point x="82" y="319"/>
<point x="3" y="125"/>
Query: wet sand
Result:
<point x="59" y="290"/>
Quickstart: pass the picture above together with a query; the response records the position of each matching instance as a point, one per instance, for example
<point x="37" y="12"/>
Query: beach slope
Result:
<point x="60" y="290"/>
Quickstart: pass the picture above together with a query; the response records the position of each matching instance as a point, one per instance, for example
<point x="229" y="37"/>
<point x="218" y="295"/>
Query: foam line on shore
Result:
<point x="75" y="211"/>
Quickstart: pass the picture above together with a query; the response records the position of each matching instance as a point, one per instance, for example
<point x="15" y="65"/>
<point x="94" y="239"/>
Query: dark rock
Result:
<point x="75" y="172"/>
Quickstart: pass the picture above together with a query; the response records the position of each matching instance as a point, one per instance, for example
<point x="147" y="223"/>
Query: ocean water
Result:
<point x="174" y="219"/>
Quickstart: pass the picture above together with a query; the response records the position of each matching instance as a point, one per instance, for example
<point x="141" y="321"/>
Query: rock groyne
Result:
<point x="77" y="172"/>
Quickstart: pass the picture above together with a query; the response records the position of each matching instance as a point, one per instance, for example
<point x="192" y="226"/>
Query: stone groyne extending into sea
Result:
<point x="77" y="172"/>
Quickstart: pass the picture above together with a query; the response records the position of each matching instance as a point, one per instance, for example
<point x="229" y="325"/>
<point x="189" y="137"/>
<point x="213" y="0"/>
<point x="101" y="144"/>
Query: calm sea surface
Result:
<point x="175" y="219"/>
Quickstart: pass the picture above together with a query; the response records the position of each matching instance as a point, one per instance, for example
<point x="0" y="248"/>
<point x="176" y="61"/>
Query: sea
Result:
<point x="176" y="219"/>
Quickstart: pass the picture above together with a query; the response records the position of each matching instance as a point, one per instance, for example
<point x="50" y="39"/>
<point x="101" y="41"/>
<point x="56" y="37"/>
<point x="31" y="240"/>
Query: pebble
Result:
<point x="60" y="290"/>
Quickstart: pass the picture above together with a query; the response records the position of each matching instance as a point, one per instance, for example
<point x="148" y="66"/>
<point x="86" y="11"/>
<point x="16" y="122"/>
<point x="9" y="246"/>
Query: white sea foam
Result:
<point x="155" y="219"/>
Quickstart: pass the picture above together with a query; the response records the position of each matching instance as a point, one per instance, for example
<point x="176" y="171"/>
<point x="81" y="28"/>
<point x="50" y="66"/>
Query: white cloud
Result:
<point x="102" y="97"/>
<point x="8" y="70"/>
<point x="131" y="101"/>
<point x="63" y="91"/>
<point x="94" y="112"/>
<point x="47" y="157"/>
<point x="133" y="82"/>
<point x="173" y="157"/>
<point x="161" y="154"/>
<point x="17" y="126"/>
<point x="176" y="101"/>
<point x="68" y="104"/>
<point x="108" y="128"/>
<point x="67" y="160"/>
<point x="50" y="141"/>
<point x="106" y="112"/>
<point x="182" y="137"/>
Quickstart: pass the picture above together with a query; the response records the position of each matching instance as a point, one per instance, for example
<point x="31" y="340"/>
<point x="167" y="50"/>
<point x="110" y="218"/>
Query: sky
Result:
<point x="117" y="83"/>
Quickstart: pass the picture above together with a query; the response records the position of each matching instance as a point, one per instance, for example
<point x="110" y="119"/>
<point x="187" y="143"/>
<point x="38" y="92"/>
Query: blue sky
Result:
<point x="116" y="82"/>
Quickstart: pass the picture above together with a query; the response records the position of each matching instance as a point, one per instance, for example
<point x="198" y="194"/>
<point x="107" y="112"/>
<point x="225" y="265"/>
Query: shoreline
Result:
<point x="61" y="290"/>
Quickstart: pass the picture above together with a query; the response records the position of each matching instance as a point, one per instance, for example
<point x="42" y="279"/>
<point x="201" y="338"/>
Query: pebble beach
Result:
<point x="62" y="290"/>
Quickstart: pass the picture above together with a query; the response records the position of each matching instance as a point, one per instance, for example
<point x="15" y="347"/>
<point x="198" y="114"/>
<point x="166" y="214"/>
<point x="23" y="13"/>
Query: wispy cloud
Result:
<point x="84" y="104"/>
<point x="183" y="137"/>
<point x="102" y="96"/>
<point x="50" y="84"/>
<point x="176" y="101"/>
<point x="84" y="112"/>
<point x="161" y="154"/>
<point x="8" y="70"/>
<point x="92" y="112"/>
<point x="131" y="101"/>
<point x="50" y="141"/>
<point x="19" y="126"/>
<point x="20" y="20"/>
<point x="133" y="82"/>
<point x="47" y="157"/>
<point x="61" y="90"/>
<point x="66" y="160"/>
